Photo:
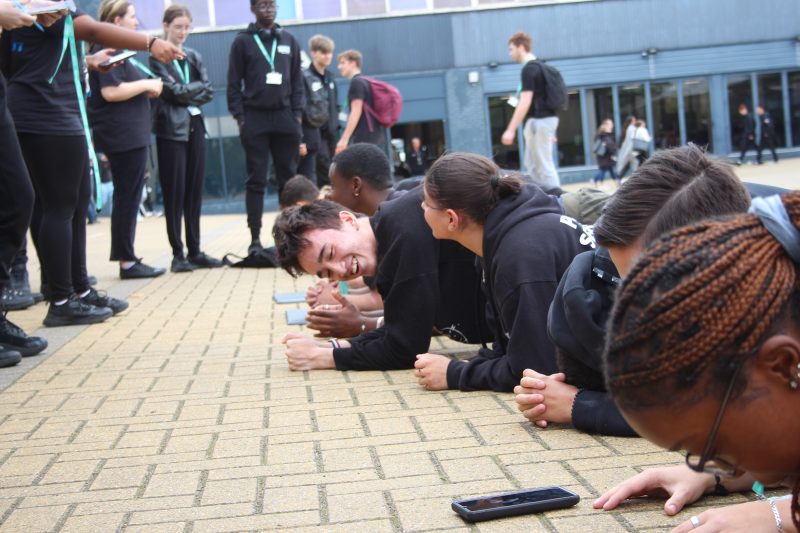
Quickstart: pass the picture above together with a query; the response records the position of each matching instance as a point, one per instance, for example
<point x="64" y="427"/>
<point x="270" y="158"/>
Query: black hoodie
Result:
<point x="266" y="108"/>
<point x="576" y="324"/>
<point x="424" y="283"/>
<point x="527" y="245"/>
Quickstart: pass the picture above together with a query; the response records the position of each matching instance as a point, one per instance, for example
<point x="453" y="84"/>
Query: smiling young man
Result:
<point x="426" y="285"/>
<point x="266" y="96"/>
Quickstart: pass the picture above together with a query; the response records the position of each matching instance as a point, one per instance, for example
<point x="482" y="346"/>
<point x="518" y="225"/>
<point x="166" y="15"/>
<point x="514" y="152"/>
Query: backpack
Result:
<point x="555" y="90"/>
<point x="387" y="103"/>
<point x="264" y="258"/>
<point x="316" y="111"/>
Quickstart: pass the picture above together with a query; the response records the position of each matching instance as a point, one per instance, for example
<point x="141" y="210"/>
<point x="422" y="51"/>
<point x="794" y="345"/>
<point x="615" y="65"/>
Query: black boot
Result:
<point x="14" y="339"/>
<point x="21" y="282"/>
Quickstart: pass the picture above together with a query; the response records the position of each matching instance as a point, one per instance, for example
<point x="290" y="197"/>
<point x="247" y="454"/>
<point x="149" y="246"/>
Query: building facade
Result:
<point x="683" y="66"/>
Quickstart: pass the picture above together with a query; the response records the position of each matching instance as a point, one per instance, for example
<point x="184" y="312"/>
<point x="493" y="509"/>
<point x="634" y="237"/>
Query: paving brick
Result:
<point x="350" y="507"/>
<point x="70" y="471"/>
<point x="229" y="491"/>
<point x="172" y="484"/>
<point x="237" y="447"/>
<point x="96" y="522"/>
<point x="285" y="499"/>
<point x="115" y="478"/>
<point x="34" y="520"/>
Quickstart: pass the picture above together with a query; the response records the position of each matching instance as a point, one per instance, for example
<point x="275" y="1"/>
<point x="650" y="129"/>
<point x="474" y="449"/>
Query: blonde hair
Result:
<point x="321" y="43"/>
<point x="111" y="9"/>
<point x="351" y="55"/>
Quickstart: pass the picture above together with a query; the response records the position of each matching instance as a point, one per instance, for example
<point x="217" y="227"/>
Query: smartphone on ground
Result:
<point x="521" y="502"/>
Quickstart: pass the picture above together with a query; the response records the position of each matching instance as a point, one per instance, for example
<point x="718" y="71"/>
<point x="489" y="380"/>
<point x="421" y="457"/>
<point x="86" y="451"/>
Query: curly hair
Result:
<point x="292" y="225"/>
<point x="700" y="301"/>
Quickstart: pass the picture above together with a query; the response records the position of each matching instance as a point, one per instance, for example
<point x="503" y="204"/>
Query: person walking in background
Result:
<point x="626" y="146"/>
<point x="541" y="123"/>
<point x="417" y="158"/>
<point x="605" y="150"/>
<point x="747" y="138"/>
<point x="641" y="145"/>
<point x="767" y="133"/>
<point x="180" y="138"/>
<point x="321" y="56"/>
<point x="266" y="96"/>
<point x="360" y="128"/>
<point x="119" y="112"/>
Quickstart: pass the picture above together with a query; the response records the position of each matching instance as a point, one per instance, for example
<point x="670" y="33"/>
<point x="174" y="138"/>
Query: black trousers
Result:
<point x="16" y="195"/>
<point x="257" y="148"/>
<point x="745" y="143"/>
<point x="59" y="169"/>
<point x="127" y="173"/>
<point x="182" y="170"/>
<point x="325" y="152"/>
<point x="769" y="141"/>
<point x="308" y="165"/>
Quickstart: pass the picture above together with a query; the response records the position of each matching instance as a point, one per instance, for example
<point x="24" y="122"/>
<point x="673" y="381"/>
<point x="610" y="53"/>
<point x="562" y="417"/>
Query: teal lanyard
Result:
<point x="182" y="73"/>
<point x="68" y="42"/>
<point x="519" y="89"/>
<point x="269" y="57"/>
<point x="141" y="67"/>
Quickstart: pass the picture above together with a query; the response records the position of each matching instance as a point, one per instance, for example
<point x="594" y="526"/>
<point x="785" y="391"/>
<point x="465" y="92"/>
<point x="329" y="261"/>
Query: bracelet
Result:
<point x="719" y="489"/>
<point x="335" y="343"/>
<point x="363" y="324"/>
<point x="150" y="40"/>
<point x="379" y="322"/>
<point x="776" y="514"/>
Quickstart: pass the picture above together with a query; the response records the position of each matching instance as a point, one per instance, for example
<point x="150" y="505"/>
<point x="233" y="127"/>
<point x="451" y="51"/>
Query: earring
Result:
<point x="356" y="194"/>
<point x="793" y="384"/>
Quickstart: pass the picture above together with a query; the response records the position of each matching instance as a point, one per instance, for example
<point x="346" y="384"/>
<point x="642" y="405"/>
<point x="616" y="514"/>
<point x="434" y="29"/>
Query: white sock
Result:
<point x="62" y="302"/>
<point x="83" y="294"/>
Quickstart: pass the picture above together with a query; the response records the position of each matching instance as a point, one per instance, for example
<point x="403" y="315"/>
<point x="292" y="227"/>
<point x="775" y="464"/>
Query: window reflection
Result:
<point x="570" y="133"/>
<point x="506" y="157"/>
<point x="770" y="95"/>
<point x="739" y="92"/>
<point x="665" y="127"/>
<point x="794" y="105"/>
<point x="697" y="112"/>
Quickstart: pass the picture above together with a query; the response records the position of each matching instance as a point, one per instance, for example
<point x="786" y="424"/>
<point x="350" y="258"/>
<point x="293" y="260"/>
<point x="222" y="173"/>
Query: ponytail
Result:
<point x="469" y="183"/>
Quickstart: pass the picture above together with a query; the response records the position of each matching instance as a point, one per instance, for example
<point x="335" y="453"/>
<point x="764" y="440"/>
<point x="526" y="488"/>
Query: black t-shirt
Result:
<point x="533" y="80"/>
<point x="360" y="90"/>
<point x="118" y="126"/>
<point x="37" y="106"/>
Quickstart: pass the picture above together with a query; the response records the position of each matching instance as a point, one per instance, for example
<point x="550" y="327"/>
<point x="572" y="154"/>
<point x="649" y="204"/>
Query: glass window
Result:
<point x="697" y="112"/>
<point x="365" y="7"/>
<point x="400" y="5"/>
<point x="794" y="105"/>
<point x="770" y="95"/>
<point x="506" y="157"/>
<point x="233" y="13"/>
<point x="570" y="133"/>
<point x="286" y="10"/>
<point x="321" y="9"/>
<point x="438" y="4"/>
<point x="213" y="186"/>
<point x="631" y="101"/>
<point x="601" y="106"/>
<point x="199" y="10"/>
<point x="665" y="129"/>
<point x="739" y="92"/>
<point x="149" y="13"/>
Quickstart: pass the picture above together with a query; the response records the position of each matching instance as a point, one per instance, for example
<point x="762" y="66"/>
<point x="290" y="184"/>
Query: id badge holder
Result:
<point x="194" y="110"/>
<point x="274" y="78"/>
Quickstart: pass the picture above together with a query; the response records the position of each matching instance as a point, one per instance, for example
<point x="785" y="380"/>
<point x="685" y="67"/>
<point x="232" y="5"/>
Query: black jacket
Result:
<point x="424" y="283"/>
<point x="311" y="135"/>
<point x="576" y="324"/>
<point x="171" y="118"/>
<point x="331" y="95"/>
<point x="767" y="125"/>
<point x="748" y="124"/>
<point x="263" y="107"/>
<point x="605" y="161"/>
<point x="527" y="246"/>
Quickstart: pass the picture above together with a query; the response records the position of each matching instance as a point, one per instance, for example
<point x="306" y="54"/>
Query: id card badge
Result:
<point x="513" y="101"/>
<point x="194" y="110"/>
<point x="274" y="78"/>
<point x="343" y="116"/>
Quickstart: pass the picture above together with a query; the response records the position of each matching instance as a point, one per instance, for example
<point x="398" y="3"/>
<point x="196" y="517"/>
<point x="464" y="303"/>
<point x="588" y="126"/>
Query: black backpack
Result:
<point x="316" y="112"/>
<point x="263" y="258"/>
<point x="555" y="90"/>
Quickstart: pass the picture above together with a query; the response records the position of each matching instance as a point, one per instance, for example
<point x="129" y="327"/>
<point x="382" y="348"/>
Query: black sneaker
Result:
<point x="91" y="280"/>
<point x="255" y="247"/>
<point x="13" y="338"/>
<point x="9" y="358"/>
<point x="202" y="260"/>
<point x="12" y="299"/>
<point x="139" y="270"/>
<point x="102" y="299"/>
<point x="180" y="264"/>
<point x="37" y="297"/>
<point x="75" y="312"/>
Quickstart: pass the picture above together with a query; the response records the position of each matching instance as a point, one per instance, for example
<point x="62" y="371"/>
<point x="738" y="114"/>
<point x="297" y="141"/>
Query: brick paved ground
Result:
<point x="181" y="415"/>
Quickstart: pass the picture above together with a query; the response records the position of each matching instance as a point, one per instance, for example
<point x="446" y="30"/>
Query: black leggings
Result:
<point x="59" y="169"/>
<point x="182" y="169"/>
<point x="127" y="172"/>
<point x="16" y="195"/>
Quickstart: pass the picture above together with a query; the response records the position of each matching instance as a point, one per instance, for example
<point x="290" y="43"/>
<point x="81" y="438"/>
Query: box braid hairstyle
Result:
<point x="685" y="317"/>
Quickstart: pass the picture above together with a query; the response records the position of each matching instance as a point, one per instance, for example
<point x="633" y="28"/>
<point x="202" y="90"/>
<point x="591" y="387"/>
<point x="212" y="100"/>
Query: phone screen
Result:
<point x="516" y="498"/>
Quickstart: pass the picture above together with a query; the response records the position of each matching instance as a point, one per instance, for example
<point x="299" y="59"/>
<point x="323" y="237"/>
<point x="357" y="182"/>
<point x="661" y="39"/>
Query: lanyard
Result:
<point x="141" y="67"/>
<point x="269" y="57"/>
<point x="68" y="42"/>
<point x="182" y="73"/>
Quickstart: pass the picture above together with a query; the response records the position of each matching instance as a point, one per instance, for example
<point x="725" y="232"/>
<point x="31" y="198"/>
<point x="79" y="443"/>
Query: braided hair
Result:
<point x="700" y="301"/>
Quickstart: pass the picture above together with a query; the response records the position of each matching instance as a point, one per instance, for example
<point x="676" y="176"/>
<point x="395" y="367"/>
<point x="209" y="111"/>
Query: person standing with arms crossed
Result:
<point x="266" y="96"/>
<point x="540" y="123"/>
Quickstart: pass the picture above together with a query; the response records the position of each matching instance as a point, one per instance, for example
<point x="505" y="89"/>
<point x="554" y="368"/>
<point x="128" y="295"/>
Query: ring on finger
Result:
<point x="695" y="522"/>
